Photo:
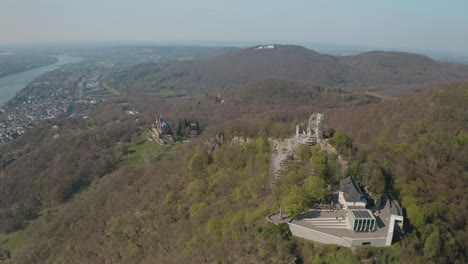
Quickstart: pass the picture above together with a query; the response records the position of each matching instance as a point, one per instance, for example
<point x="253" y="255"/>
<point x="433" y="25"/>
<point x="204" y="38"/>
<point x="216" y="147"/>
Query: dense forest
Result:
<point x="418" y="146"/>
<point x="102" y="191"/>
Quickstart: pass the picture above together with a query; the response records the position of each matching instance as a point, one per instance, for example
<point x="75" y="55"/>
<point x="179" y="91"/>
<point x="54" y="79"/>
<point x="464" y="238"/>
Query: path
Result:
<point x="283" y="150"/>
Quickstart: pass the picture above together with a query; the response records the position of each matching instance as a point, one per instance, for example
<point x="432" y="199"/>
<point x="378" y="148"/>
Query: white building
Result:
<point x="350" y="194"/>
<point x="261" y="47"/>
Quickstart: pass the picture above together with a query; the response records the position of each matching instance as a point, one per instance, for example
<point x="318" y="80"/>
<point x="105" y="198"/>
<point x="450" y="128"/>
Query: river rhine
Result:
<point x="11" y="84"/>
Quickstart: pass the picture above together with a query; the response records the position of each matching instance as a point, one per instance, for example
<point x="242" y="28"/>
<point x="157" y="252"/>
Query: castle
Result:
<point x="161" y="131"/>
<point x="313" y="134"/>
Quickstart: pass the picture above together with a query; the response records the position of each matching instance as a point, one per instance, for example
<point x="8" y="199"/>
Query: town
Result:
<point x="73" y="89"/>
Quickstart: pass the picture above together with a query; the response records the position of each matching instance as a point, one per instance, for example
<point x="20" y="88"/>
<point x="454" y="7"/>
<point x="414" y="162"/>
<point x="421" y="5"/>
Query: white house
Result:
<point x="350" y="194"/>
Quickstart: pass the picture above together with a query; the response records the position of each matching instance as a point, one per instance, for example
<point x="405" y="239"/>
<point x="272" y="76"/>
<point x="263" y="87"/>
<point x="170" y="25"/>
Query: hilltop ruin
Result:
<point x="313" y="134"/>
<point x="284" y="150"/>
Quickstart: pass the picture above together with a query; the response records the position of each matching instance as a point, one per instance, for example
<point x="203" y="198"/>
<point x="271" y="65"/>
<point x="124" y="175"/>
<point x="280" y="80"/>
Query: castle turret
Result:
<point x="316" y="125"/>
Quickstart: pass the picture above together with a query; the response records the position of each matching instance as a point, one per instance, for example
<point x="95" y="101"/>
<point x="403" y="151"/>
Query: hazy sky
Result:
<point x="404" y="24"/>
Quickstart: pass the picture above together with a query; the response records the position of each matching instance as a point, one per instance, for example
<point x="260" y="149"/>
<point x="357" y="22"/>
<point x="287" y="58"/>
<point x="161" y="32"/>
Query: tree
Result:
<point x="295" y="201"/>
<point x="302" y="152"/>
<point x="416" y="216"/>
<point x="432" y="245"/>
<point x="376" y="182"/>
<point x="315" y="188"/>
<point x="319" y="162"/>
<point x="179" y="129"/>
<point x="198" y="128"/>
<point x="198" y="162"/>
<point x="265" y="127"/>
<point x="373" y="177"/>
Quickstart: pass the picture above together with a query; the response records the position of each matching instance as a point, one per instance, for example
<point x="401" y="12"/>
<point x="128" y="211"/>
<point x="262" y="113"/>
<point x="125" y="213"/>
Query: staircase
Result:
<point x="283" y="150"/>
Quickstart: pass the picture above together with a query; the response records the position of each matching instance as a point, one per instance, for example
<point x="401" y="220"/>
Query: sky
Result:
<point x="430" y="25"/>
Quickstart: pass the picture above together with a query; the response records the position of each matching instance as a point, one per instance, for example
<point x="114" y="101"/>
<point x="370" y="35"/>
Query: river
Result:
<point x="11" y="84"/>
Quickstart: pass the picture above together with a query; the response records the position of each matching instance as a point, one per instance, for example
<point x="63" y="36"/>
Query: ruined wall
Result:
<point x="316" y="121"/>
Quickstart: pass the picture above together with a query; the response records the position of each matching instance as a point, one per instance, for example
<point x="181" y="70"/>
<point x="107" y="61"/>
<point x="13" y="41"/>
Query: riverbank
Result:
<point x="11" y="84"/>
<point x="12" y="63"/>
<point x="71" y="91"/>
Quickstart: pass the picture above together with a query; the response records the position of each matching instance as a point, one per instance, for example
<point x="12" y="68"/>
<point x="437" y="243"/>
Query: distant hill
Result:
<point x="289" y="62"/>
<point x="376" y="70"/>
<point x="383" y="67"/>
<point x="166" y="52"/>
<point x="13" y="63"/>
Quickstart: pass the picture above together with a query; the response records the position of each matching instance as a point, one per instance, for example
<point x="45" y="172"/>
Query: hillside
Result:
<point x="102" y="192"/>
<point x="279" y="98"/>
<point x="386" y="72"/>
<point x="379" y="67"/>
<point x="231" y="69"/>
<point x="39" y="172"/>
<point x="51" y="172"/>
<point x="288" y="62"/>
<point x="420" y="147"/>
<point x="99" y="189"/>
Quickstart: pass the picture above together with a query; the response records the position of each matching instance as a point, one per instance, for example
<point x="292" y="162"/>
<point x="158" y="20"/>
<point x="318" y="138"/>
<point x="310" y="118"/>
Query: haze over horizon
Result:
<point x="403" y="25"/>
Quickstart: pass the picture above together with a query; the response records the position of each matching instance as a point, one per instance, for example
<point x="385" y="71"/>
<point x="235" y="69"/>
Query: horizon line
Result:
<point x="234" y="43"/>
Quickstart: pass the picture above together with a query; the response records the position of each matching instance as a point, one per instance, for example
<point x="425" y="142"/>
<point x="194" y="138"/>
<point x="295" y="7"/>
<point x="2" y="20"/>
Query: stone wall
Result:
<point x="324" y="238"/>
<point x="316" y="236"/>
<point x="375" y="242"/>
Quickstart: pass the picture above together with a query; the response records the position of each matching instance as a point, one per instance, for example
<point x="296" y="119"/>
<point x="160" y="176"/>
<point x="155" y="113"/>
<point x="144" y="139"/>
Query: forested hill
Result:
<point x="385" y="67"/>
<point x="388" y="72"/>
<point x="97" y="189"/>
<point x="419" y="145"/>
<point x="13" y="63"/>
<point x="102" y="192"/>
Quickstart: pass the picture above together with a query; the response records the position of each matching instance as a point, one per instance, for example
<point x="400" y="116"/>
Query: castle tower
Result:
<point x="316" y="125"/>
